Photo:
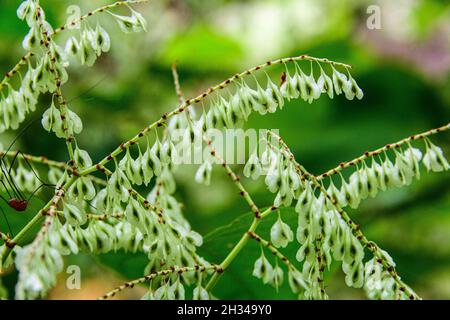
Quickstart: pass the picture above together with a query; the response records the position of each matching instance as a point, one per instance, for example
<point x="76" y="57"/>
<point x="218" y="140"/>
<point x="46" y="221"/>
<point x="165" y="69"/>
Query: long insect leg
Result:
<point x="35" y="191"/>
<point x="3" y="167"/>
<point x="11" y="182"/>
<point x="7" y="191"/>
<point x="17" y="137"/>
<point x="6" y="219"/>
<point x="12" y="163"/>
<point x="32" y="169"/>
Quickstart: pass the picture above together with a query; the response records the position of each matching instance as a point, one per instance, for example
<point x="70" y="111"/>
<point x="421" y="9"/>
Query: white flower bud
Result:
<point x="325" y="84"/>
<point x="82" y="158"/>
<point x="434" y="159"/>
<point x="203" y="174"/>
<point x="263" y="269"/>
<point x="253" y="167"/>
<point x="281" y="234"/>
<point x="72" y="46"/>
<point x="133" y="23"/>
<point x="32" y="39"/>
<point x="74" y="215"/>
<point x="296" y="281"/>
<point x="341" y="83"/>
<point x="289" y="88"/>
<point x="277" y="279"/>
<point x="200" y="293"/>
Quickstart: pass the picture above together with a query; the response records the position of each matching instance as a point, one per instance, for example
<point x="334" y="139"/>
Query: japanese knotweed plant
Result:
<point x="100" y="215"/>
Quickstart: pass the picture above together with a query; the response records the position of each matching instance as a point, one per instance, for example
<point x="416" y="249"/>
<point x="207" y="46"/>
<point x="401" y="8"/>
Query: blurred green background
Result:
<point x="403" y="69"/>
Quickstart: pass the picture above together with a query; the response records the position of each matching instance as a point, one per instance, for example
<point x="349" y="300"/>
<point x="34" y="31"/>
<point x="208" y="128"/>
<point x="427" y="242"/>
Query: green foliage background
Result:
<point x="403" y="69"/>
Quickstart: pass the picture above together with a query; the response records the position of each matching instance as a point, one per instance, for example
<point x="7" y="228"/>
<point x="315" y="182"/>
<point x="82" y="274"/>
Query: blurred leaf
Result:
<point x="202" y="48"/>
<point x="219" y="243"/>
<point x="127" y="265"/>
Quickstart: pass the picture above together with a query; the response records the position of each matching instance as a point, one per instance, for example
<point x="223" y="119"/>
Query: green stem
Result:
<point x="237" y="249"/>
<point x="370" y="154"/>
<point x="36" y="219"/>
<point x="201" y="97"/>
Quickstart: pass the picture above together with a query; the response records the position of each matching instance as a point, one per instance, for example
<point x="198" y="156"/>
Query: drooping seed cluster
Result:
<point x="22" y="175"/>
<point x="379" y="284"/>
<point x="49" y="69"/>
<point x="39" y="265"/>
<point x="322" y="232"/>
<point x="274" y="275"/>
<point x="282" y="177"/>
<point x="168" y="237"/>
<point x="234" y="111"/>
<point x="385" y="173"/>
<point x="110" y="216"/>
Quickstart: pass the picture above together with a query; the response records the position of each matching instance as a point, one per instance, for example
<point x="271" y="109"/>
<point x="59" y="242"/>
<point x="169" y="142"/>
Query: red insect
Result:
<point x="18" y="205"/>
<point x="16" y="200"/>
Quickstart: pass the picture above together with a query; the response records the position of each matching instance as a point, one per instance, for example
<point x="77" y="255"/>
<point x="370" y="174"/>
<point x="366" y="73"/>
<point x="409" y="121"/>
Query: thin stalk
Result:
<point x="381" y="150"/>
<point x="376" y="251"/>
<point x="181" y="108"/>
<point x="162" y="273"/>
<point x="27" y="56"/>
<point x="36" y="219"/>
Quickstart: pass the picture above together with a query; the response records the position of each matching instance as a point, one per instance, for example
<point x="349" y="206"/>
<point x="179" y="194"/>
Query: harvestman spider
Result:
<point x="17" y="200"/>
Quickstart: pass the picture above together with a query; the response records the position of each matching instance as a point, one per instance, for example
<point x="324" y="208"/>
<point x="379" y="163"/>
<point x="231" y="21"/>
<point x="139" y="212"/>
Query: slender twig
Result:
<point x="321" y="261"/>
<point x="58" y="82"/>
<point x="376" y="251"/>
<point x="378" y="151"/>
<point x="181" y="108"/>
<point x="176" y="80"/>
<point x="255" y="223"/>
<point x="56" y="164"/>
<point x="103" y="217"/>
<point x="162" y="273"/>
<point x="236" y="180"/>
<point x="30" y="54"/>
<point x="272" y="249"/>
<point x="15" y="69"/>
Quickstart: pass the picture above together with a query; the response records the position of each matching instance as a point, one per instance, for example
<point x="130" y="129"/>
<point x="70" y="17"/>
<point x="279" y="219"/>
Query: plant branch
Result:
<point x="15" y="69"/>
<point x="162" y="273"/>
<point x="30" y="54"/>
<point x="48" y="210"/>
<point x="376" y="251"/>
<point x="272" y="249"/>
<point x="387" y="147"/>
<point x="255" y="223"/>
<point x="55" y="164"/>
<point x="181" y="108"/>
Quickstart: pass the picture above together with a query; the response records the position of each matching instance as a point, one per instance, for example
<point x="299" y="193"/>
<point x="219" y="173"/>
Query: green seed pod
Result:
<point x="296" y="281"/>
<point x="281" y="234"/>
<point x="74" y="215"/>
<point x="200" y="293"/>
<point x="290" y="87"/>
<point x="341" y="83"/>
<point x="434" y="159"/>
<point x="262" y="269"/>
<point x="32" y="39"/>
